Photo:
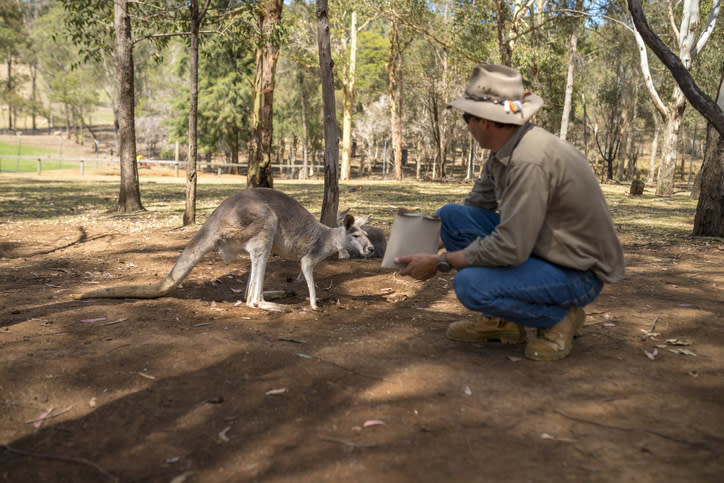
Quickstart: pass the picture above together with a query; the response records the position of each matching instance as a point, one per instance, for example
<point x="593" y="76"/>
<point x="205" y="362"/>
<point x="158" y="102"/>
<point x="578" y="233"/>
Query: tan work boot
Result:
<point x="484" y="329"/>
<point x="556" y="342"/>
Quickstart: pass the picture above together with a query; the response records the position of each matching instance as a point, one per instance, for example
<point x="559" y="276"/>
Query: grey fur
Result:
<point x="260" y="221"/>
<point x="375" y="235"/>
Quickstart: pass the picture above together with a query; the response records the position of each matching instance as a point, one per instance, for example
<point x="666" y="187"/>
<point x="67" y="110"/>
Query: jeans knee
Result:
<point x="468" y="291"/>
<point x="445" y="211"/>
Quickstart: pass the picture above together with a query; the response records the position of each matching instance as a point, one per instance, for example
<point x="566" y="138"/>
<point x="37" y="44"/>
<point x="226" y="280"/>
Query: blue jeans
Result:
<point x="536" y="293"/>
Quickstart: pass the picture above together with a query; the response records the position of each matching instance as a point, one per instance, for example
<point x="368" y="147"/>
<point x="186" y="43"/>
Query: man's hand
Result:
<point x="420" y="266"/>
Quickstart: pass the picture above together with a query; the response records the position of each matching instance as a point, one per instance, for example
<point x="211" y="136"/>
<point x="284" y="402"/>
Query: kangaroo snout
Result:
<point x="369" y="249"/>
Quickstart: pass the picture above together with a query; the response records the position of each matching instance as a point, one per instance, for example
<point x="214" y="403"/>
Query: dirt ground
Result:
<point x="194" y="387"/>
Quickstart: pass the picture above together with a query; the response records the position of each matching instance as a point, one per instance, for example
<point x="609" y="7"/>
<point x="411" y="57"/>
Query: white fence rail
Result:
<point x="12" y="164"/>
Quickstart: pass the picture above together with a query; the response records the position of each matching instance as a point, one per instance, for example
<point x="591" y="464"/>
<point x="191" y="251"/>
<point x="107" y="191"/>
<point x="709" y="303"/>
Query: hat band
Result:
<point x="510" y="106"/>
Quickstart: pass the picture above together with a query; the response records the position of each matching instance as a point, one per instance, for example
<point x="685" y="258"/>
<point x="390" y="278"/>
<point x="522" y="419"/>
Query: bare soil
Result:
<point x="195" y="387"/>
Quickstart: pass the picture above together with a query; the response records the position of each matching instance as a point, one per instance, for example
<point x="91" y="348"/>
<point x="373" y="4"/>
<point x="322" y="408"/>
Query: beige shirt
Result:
<point x="550" y="205"/>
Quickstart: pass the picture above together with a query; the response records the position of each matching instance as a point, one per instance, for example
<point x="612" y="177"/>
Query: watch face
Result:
<point x="443" y="266"/>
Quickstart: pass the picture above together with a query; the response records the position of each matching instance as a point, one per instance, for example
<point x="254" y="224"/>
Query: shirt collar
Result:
<point x="504" y="154"/>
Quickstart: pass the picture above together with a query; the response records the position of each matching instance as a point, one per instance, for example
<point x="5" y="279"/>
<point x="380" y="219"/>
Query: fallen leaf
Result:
<point x="98" y="319"/>
<point x="222" y="434"/>
<point x="651" y="355"/>
<point x="372" y="422"/>
<point x="468" y="392"/>
<point x="547" y="436"/>
<point x="685" y="352"/>
<point x="37" y="422"/>
<point x="514" y="358"/>
<point x="182" y="477"/>
<point x="677" y="342"/>
<point x="272" y="392"/>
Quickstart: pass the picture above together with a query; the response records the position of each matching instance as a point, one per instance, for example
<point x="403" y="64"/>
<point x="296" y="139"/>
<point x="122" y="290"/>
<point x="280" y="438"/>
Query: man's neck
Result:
<point x="500" y="136"/>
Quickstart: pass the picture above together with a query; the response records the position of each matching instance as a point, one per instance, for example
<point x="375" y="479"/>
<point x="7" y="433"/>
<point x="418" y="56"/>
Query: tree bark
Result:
<point x="330" y="203"/>
<point x="567" y="102"/>
<point x="129" y="199"/>
<point x="260" y="159"/>
<point x="349" y="96"/>
<point x="709" y="219"/>
<point x="189" y="217"/>
<point x="503" y="45"/>
<point x="393" y="87"/>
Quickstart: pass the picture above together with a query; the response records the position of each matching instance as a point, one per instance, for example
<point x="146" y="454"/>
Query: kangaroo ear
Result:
<point x="362" y="220"/>
<point x="341" y="215"/>
<point x="348" y="221"/>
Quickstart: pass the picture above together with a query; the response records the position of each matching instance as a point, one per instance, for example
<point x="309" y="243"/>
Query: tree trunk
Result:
<point x="567" y="102"/>
<point x="305" y="141"/>
<point x="129" y="199"/>
<point x="503" y="45"/>
<point x="395" y="125"/>
<point x="189" y="217"/>
<point x="709" y="219"/>
<point x="260" y="172"/>
<point x="330" y="204"/>
<point x="349" y="95"/>
<point x="654" y="150"/>
<point x="667" y="169"/>
<point x="34" y="93"/>
<point x="9" y="87"/>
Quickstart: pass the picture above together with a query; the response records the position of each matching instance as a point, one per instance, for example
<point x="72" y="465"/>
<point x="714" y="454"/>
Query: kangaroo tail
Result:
<point x="150" y="291"/>
<point x="201" y="244"/>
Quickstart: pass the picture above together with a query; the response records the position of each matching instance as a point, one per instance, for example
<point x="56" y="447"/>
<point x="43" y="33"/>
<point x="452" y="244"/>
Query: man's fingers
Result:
<point x="403" y="260"/>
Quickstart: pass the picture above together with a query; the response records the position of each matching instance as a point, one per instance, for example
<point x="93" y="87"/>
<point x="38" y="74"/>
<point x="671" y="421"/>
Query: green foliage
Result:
<point x="12" y="30"/>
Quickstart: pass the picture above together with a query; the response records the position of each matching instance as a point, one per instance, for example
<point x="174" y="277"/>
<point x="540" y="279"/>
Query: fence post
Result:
<point x="175" y="165"/>
<point x="82" y="167"/>
<point x="39" y="163"/>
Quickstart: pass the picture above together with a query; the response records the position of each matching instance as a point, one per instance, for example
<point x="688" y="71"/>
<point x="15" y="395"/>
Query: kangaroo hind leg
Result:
<point x="259" y="251"/>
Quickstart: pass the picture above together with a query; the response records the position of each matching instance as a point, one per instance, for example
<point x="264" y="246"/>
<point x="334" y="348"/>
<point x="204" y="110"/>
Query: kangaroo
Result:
<point x="375" y="235"/>
<point x="260" y="221"/>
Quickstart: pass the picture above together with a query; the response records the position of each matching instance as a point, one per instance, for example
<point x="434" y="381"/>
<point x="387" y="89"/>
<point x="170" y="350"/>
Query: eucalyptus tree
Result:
<point x="346" y="24"/>
<point x="709" y="218"/>
<point x="12" y="36"/>
<point x="298" y="98"/>
<point x="271" y="32"/>
<point x="226" y="95"/>
<point x="90" y="23"/>
<point x="405" y="22"/>
<point x="690" y="37"/>
<point x="54" y="57"/>
<point x="330" y="201"/>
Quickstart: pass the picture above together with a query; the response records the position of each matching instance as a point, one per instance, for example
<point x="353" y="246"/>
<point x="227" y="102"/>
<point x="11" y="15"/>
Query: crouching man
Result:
<point x="533" y="242"/>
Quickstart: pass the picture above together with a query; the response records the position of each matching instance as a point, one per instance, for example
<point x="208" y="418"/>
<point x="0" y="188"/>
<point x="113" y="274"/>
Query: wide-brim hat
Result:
<point x="496" y="92"/>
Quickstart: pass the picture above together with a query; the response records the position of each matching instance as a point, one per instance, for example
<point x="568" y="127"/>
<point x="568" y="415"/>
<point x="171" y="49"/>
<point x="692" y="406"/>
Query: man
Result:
<point x="550" y="246"/>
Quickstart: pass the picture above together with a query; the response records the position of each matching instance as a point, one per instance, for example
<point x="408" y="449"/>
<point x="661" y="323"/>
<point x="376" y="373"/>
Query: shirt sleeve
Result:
<point x="523" y="205"/>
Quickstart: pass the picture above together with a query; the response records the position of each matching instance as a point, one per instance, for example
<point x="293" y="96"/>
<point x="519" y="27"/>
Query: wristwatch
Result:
<point x="442" y="264"/>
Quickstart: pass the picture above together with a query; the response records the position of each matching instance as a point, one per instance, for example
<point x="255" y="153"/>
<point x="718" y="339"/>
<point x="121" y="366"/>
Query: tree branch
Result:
<point x="701" y="102"/>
